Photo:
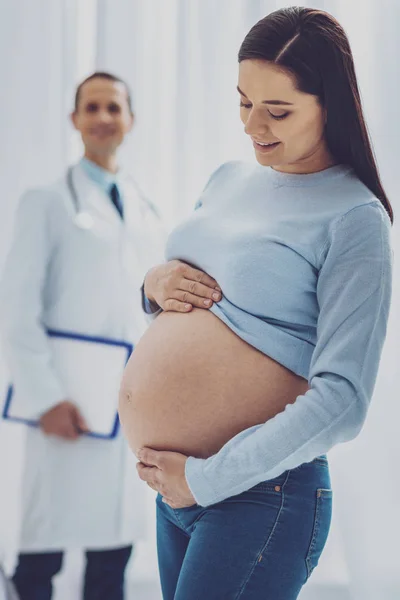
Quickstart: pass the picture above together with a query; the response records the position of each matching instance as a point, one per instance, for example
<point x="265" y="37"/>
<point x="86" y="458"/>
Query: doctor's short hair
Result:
<point x="108" y="77"/>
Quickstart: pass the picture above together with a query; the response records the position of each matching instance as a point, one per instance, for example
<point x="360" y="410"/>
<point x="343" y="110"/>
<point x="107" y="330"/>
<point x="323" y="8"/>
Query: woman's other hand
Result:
<point x="176" y="286"/>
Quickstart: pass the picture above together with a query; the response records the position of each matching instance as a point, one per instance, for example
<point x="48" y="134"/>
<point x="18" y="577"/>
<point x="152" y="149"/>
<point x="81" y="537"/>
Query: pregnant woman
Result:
<point x="231" y="406"/>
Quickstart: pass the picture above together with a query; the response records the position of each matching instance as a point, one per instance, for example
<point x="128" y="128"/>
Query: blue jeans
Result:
<point x="261" y="544"/>
<point x="104" y="574"/>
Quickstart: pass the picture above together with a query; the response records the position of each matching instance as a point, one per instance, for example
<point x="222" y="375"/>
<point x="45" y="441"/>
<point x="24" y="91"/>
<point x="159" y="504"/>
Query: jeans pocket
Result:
<point x="322" y="522"/>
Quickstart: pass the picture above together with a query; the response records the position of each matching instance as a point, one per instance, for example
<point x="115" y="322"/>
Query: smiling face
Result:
<point x="275" y="112"/>
<point x="103" y="116"/>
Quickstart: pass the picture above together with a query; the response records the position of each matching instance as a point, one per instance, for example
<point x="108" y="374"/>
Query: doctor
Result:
<point x="80" y="250"/>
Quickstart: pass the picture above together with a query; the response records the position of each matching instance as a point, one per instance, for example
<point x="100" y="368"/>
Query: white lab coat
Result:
<point x="86" y="493"/>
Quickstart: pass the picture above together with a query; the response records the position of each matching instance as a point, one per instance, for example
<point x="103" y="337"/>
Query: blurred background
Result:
<point x="180" y="59"/>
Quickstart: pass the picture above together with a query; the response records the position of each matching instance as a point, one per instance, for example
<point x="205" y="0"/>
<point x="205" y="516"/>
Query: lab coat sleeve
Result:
<point x="24" y="340"/>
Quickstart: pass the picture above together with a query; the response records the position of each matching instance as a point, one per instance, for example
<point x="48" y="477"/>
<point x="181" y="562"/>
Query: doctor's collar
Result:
<point x="103" y="178"/>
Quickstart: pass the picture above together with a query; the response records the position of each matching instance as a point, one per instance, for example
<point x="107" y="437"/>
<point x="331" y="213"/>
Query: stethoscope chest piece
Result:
<point x="84" y="220"/>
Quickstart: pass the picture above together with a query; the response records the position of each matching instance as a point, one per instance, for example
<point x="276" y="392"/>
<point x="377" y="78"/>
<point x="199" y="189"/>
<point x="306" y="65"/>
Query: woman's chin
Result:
<point x="267" y="160"/>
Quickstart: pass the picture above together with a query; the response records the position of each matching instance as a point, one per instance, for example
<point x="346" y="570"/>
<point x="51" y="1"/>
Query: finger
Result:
<point x="199" y="289"/>
<point x="148" y="456"/>
<point x="64" y="434"/>
<point x="196" y="301"/>
<point x="200" y="276"/>
<point x="173" y="305"/>
<point x="68" y="425"/>
<point x="147" y="474"/>
<point x="80" y="422"/>
<point x="60" y="430"/>
<point x="69" y="431"/>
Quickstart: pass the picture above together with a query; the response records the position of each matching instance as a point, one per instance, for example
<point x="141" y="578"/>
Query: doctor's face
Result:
<point x="103" y="116"/>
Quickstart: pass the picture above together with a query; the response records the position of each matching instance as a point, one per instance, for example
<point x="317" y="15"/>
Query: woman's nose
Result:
<point x="255" y="126"/>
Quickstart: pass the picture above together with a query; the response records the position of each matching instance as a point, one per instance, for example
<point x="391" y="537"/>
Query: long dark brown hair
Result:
<point x="314" y="48"/>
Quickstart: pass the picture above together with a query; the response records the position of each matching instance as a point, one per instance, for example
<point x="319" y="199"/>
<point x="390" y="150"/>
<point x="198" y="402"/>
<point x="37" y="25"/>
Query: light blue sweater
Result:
<point x="305" y="267"/>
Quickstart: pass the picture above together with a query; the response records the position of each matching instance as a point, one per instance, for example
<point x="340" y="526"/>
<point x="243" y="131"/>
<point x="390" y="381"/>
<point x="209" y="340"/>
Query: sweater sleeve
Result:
<point x="150" y="309"/>
<point x="353" y="293"/>
<point x="24" y="339"/>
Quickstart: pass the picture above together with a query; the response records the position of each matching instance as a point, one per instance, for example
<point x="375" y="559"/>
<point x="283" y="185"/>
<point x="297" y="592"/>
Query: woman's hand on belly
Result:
<point x="164" y="472"/>
<point x="176" y="286"/>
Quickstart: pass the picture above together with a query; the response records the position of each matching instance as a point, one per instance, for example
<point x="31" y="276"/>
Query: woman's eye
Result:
<point x="278" y="117"/>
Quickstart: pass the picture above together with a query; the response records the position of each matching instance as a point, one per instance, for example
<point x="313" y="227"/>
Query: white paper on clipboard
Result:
<point x="90" y="370"/>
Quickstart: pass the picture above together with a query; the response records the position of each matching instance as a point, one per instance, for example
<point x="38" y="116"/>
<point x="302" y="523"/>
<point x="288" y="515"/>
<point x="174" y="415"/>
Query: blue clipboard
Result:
<point x="52" y="333"/>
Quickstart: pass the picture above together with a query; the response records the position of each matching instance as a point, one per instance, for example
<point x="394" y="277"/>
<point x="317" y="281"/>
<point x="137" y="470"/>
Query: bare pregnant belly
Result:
<point x="192" y="384"/>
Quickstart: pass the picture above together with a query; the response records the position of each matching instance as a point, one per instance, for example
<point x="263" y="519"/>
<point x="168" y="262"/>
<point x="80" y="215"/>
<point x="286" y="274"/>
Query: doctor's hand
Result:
<point x="178" y="287"/>
<point x="63" y="420"/>
<point x="164" y="472"/>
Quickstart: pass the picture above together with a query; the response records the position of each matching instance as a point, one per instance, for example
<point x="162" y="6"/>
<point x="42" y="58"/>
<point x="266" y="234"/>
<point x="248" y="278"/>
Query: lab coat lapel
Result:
<point x="135" y="233"/>
<point x="143" y="225"/>
<point x="92" y="199"/>
<point x="133" y="210"/>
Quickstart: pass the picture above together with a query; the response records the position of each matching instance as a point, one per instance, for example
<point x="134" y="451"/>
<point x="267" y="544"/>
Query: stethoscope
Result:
<point x="82" y="219"/>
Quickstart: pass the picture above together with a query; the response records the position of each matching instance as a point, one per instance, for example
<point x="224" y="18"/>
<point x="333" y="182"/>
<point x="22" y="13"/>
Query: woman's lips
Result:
<point x="265" y="149"/>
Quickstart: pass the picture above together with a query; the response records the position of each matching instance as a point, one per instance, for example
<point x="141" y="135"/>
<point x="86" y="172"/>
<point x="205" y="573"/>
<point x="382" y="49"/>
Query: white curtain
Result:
<point x="38" y="68"/>
<point x="34" y="71"/>
<point x="180" y="57"/>
<point x="180" y="60"/>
